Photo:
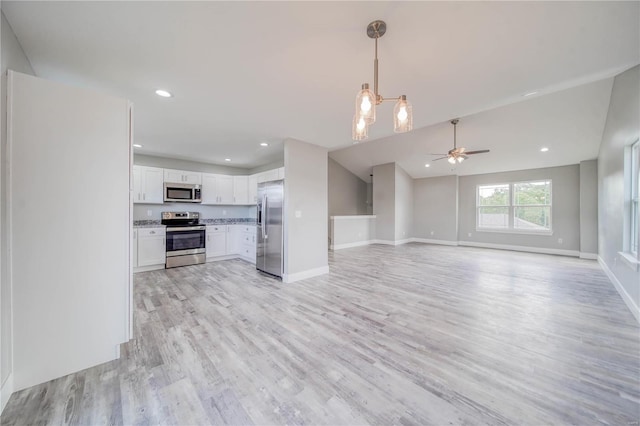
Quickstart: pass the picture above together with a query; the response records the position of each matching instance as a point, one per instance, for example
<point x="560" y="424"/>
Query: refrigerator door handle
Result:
<point x="263" y="215"/>
<point x="265" y="209"/>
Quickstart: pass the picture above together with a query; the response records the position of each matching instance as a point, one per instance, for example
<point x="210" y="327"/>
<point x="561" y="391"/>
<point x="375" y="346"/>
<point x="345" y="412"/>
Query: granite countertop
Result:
<point x="224" y="221"/>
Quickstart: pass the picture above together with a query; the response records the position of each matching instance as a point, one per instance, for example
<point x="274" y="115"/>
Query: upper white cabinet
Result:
<point x="281" y="173"/>
<point x="241" y="190"/>
<point x="252" y="189"/>
<point x="147" y="185"/>
<point x="267" y="176"/>
<point x="217" y="189"/>
<point x="182" y="176"/>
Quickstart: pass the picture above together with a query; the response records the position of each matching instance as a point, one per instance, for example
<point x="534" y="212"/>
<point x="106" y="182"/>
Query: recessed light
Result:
<point x="163" y="93"/>
<point x="137" y="145"/>
<point x="427" y="165"/>
<point x="544" y="149"/>
<point x="227" y="159"/>
<point x="264" y="144"/>
<point x="529" y="94"/>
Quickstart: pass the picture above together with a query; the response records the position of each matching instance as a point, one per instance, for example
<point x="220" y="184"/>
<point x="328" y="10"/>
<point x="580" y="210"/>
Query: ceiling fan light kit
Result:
<point x="457" y="155"/>
<point x="367" y="100"/>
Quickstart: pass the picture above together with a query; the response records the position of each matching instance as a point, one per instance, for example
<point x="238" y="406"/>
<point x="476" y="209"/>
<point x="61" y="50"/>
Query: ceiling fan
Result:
<point x="457" y="154"/>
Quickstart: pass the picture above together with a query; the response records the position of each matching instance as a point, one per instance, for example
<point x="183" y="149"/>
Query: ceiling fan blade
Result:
<point x="441" y="158"/>
<point x="436" y="154"/>
<point x="482" y="151"/>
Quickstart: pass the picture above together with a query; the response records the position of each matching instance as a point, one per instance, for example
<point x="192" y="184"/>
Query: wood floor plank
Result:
<point x="411" y="335"/>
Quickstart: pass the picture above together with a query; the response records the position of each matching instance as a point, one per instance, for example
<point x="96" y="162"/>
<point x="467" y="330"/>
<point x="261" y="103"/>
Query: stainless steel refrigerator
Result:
<point x="270" y="218"/>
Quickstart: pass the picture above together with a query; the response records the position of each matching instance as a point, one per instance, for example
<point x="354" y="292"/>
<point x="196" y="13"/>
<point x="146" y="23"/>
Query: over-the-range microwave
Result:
<point x="182" y="192"/>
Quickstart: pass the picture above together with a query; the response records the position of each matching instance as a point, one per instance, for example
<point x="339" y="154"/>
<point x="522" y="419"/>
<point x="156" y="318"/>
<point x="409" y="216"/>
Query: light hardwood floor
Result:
<point x="413" y="334"/>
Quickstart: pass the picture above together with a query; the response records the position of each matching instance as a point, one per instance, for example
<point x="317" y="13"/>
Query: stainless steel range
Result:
<point x="185" y="239"/>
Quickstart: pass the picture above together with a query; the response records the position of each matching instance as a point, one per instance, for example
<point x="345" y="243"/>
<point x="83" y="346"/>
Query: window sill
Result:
<point x="515" y="231"/>
<point x="630" y="260"/>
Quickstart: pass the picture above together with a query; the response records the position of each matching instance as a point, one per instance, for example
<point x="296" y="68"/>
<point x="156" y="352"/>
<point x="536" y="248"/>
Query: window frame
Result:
<point x="512" y="207"/>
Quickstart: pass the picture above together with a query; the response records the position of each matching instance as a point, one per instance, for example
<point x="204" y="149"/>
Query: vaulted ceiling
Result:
<point x="243" y="73"/>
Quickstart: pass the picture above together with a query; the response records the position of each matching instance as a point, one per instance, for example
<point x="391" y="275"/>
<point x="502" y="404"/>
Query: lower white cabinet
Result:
<point x="151" y="246"/>
<point x="231" y="240"/>
<point x="216" y="242"/>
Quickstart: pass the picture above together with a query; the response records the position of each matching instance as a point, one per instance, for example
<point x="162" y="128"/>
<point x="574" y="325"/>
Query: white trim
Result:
<point x="349" y="245"/>
<point x="629" y="260"/>
<point x="513" y="230"/>
<point x="148" y="268"/>
<point x="289" y="278"/>
<point x="590" y="256"/>
<point x="573" y="253"/>
<point x="6" y="391"/>
<point x="392" y="243"/>
<point x="623" y="293"/>
<point x="361" y="216"/>
<point x="430" y="241"/>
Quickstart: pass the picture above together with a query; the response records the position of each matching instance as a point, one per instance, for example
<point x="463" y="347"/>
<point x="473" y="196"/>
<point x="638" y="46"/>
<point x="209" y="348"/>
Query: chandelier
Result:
<point x="366" y="101"/>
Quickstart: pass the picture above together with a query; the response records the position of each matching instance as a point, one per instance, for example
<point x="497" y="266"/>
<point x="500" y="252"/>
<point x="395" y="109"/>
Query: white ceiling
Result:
<point x="246" y="72"/>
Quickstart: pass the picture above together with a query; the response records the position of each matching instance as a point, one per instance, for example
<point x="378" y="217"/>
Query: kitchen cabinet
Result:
<point x="148" y="185"/>
<point x="217" y="189"/>
<point x="216" y="240"/>
<point x="182" y="176"/>
<point x="267" y="176"/>
<point x="252" y="189"/>
<point x="233" y="239"/>
<point x="248" y="242"/>
<point x="151" y="246"/>
<point x="241" y="190"/>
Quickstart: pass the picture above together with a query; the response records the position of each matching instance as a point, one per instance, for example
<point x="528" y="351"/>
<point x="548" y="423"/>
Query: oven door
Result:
<point x="183" y="240"/>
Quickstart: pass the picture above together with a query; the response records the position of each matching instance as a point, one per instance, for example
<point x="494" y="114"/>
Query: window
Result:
<point x="523" y="207"/>
<point x="635" y="184"/>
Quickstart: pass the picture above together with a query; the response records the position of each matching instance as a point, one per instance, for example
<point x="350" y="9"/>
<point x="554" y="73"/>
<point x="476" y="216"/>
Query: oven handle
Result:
<point x="186" y="228"/>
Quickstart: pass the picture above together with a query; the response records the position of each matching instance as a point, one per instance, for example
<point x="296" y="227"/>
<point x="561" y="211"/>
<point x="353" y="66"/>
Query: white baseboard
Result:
<point x="349" y="245"/>
<point x="310" y="273"/>
<point x="6" y="391"/>
<point x="590" y="256"/>
<point x="623" y="293"/>
<point x="573" y="253"/>
<point x="430" y="241"/>
<point x="223" y="257"/>
<point x="391" y="243"/>
<point x="148" y="268"/>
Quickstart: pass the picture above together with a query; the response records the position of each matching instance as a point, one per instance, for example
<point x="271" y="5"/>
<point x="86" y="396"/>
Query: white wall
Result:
<point x="589" y="208"/>
<point x="565" y="209"/>
<point x="347" y="192"/>
<point x="305" y="193"/>
<point x="13" y="58"/>
<point x="435" y="210"/>
<point x="403" y="204"/>
<point x="351" y="231"/>
<point x="621" y="129"/>
<point x="69" y="150"/>
<point x="384" y="204"/>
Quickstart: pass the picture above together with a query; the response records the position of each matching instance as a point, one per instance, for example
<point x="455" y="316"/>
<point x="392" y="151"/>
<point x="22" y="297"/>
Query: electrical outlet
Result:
<point x="560" y="240"/>
<point x="469" y="234"/>
<point x="149" y="213"/>
<point x="404" y="233"/>
<point x="359" y="234"/>
<point x="431" y="232"/>
<point x="298" y="214"/>
<point x="224" y="212"/>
